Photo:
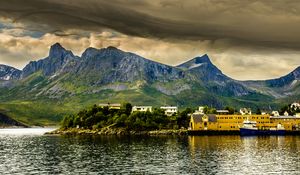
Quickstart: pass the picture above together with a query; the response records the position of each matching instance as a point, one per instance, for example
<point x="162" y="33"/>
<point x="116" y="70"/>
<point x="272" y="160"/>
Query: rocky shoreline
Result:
<point x="115" y="131"/>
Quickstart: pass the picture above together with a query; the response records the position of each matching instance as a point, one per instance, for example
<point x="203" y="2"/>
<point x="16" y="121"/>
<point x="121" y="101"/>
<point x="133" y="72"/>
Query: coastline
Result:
<point x="116" y="131"/>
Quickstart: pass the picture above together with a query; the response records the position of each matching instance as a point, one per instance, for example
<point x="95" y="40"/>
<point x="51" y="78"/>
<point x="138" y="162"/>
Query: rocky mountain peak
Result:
<point x="56" y="50"/>
<point x="89" y="52"/>
<point x="202" y="59"/>
<point x="296" y="73"/>
<point x="196" y="62"/>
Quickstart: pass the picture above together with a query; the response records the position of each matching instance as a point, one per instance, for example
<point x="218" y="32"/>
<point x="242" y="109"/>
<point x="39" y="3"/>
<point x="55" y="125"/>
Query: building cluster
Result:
<point x="222" y="121"/>
<point x="169" y="110"/>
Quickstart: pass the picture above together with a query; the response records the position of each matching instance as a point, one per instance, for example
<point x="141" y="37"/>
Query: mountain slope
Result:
<point x="283" y="87"/>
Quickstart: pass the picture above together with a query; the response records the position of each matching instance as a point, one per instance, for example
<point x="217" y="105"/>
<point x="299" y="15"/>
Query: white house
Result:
<point x="200" y="110"/>
<point x="286" y="113"/>
<point x="245" y="111"/>
<point x="110" y="105"/>
<point x="170" y="110"/>
<point x="295" y="106"/>
<point x="142" y="108"/>
<point x="275" y="113"/>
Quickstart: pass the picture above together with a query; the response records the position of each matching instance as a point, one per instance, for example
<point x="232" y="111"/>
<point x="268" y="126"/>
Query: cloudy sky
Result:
<point x="246" y="39"/>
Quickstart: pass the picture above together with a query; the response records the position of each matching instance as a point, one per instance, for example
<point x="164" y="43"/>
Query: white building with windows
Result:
<point x="170" y="110"/>
<point x="142" y="108"/>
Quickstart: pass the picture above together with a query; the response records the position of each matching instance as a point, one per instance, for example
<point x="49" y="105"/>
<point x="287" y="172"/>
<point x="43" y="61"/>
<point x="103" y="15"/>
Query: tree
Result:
<point x="209" y="110"/>
<point x="127" y="107"/>
<point x="258" y="111"/>
<point x="231" y="110"/>
<point x="183" y="118"/>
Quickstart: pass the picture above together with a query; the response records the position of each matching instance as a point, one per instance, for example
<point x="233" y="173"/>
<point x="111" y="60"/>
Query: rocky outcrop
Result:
<point x="6" y="121"/>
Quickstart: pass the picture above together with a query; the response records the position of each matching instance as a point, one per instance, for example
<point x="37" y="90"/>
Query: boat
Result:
<point x="249" y="128"/>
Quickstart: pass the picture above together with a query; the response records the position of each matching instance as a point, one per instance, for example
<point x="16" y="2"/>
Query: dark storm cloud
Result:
<point x="248" y="23"/>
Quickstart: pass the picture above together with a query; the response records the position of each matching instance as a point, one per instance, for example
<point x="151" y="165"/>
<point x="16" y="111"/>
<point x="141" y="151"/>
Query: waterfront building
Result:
<point x="215" y="122"/>
<point x="170" y="110"/>
<point x="110" y="105"/>
<point x="142" y="108"/>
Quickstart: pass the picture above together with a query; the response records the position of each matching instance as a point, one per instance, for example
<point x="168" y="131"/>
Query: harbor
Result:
<point x="245" y="123"/>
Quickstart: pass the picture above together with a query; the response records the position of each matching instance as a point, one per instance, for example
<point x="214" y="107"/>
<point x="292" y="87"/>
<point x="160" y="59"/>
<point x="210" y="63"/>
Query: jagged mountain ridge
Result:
<point x="67" y="82"/>
<point x="99" y="68"/>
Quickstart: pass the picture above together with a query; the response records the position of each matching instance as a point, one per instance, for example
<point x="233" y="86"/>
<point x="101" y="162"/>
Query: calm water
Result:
<point x="27" y="151"/>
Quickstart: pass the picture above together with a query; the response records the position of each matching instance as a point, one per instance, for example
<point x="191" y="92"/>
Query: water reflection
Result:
<point x="37" y="154"/>
<point x="246" y="155"/>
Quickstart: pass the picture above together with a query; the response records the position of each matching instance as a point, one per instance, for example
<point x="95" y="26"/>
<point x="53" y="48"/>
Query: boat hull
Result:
<point x="254" y="132"/>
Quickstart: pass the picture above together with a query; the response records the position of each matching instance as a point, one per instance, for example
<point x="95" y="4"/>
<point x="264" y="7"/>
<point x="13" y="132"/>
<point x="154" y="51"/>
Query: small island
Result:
<point x="123" y="120"/>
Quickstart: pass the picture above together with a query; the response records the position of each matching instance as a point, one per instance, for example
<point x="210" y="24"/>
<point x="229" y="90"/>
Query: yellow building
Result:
<point x="215" y="122"/>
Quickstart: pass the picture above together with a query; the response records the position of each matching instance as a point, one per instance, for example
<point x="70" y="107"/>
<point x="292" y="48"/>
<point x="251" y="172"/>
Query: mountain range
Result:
<point x="62" y="83"/>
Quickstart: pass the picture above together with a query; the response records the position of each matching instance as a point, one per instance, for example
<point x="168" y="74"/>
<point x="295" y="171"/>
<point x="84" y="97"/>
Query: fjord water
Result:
<point x="28" y="151"/>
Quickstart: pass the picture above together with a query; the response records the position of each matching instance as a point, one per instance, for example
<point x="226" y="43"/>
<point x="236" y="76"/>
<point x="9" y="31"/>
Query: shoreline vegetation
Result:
<point x="117" y="132"/>
<point x="98" y="120"/>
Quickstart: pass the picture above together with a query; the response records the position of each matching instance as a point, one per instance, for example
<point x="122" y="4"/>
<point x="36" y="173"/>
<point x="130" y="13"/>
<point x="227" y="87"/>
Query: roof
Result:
<point x="212" y="117"/>
<point x="222" y="111"/>
<point x="197" y="118"/>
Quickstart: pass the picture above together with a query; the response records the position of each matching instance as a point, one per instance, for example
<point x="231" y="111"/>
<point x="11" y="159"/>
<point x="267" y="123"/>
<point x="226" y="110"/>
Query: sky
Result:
<point x="247" y="40"/>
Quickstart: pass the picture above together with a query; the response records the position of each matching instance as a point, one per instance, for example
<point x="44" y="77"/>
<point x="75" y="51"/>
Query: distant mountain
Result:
<point x="9" y="73"/>
<point x="63" y="82"/>
<point x="212" y="78"/>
